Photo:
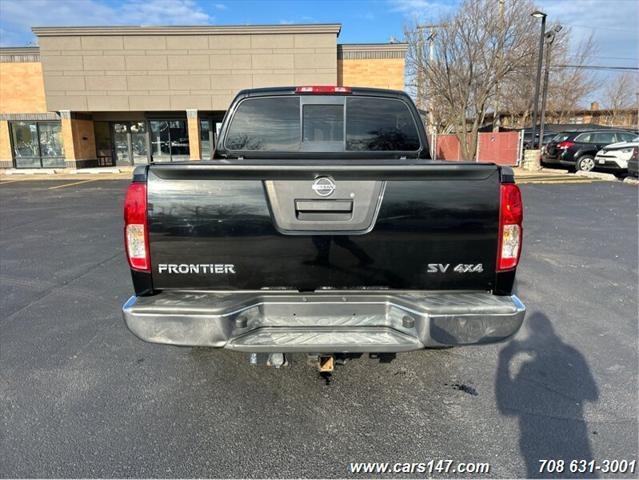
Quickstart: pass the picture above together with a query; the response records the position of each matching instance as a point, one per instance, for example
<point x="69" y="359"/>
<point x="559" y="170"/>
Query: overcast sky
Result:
<point x="614" y="23"/>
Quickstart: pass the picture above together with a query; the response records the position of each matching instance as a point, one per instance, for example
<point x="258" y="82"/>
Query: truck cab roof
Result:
<point x="291" y="90"/>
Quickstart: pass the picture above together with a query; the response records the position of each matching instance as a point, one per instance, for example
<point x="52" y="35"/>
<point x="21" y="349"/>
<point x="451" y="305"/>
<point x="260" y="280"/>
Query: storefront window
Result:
<point x="37" y="144"/>
<point x="205" y="139"/>
<point x="51" y="148"/>
<point x="25" y="140"/>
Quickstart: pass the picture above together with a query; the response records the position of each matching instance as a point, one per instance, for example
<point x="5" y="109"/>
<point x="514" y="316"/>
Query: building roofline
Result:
<point x="19" y="50"/>
<point x="373" y="47"/>
<point x="334" y="28"/>
<point x="19" y="54"/>
<point x="371" y="51"/>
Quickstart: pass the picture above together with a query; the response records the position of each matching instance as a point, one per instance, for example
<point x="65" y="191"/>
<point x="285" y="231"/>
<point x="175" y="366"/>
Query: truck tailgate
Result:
<point x="238" y="226"/>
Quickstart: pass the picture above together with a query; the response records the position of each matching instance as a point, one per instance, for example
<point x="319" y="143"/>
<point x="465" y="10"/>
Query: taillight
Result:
<point x="136" y="234"/>
<point x="511" y="216"/>
<point x="565" y="145"/>
<point x="635" y="153"/>
<point x="323" y="89"/>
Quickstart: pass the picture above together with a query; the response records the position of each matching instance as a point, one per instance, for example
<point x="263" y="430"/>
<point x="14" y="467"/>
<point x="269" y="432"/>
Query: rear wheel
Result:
<point x="585" y="163"/>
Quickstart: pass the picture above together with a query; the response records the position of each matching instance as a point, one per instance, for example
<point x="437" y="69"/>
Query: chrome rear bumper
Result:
<point x="324" y="322"/>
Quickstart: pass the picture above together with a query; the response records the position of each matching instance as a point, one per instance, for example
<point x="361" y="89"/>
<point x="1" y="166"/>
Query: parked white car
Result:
<point x="616" y="155"/>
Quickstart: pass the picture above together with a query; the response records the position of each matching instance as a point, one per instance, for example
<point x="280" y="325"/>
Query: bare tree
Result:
<point x="621" y="94"/>
<point x="567" y="86"/>
<point x="475" y="50"/>
<point x="480" y="53"/>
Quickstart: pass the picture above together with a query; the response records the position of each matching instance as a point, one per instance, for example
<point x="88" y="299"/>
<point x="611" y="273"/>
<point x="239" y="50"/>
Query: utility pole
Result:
<point x="550" y="38"/>
<point x="502" y="34"/>
<point x="422" y="93"/>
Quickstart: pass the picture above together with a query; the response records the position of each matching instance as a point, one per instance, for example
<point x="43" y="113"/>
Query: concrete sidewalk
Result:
<point x="106" y="173"/>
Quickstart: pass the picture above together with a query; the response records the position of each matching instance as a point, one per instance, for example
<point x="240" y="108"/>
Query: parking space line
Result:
<point x="71" y="184"/>
<point x="9" y="181"/>
<point x="554" y="182"/>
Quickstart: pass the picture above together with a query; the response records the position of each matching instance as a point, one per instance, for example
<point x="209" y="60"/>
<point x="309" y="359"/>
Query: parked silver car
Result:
<point x="616" y="155"/>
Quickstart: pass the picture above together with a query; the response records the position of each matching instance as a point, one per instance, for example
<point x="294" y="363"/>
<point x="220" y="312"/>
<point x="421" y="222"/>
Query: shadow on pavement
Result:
<point x="544" y="382"/>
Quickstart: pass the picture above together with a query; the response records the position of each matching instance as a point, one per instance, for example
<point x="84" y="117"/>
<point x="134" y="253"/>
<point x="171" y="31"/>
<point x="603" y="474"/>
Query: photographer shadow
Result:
<point x="545" y="383"/>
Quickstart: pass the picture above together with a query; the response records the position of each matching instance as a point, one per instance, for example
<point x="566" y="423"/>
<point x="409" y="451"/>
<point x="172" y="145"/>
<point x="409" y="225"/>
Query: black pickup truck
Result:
<point x="323" y="226"/>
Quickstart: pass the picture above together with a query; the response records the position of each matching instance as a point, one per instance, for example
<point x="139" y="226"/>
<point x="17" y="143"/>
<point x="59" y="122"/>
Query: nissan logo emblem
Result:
<point x="324" y="186"/>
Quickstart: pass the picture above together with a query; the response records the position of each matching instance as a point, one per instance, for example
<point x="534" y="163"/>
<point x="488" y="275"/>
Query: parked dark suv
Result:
<point x="577" y="150"/>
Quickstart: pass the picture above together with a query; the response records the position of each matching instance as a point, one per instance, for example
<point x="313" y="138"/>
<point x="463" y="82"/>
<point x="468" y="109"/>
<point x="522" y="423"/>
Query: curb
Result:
<point x="30" y="171"/>
<point x="601" y="176"/>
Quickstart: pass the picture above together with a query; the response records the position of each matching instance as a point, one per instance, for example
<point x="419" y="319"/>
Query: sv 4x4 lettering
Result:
<point x="459" y="268"/>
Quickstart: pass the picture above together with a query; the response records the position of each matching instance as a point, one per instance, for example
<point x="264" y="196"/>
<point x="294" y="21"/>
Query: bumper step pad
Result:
<point x="343" y="340"/>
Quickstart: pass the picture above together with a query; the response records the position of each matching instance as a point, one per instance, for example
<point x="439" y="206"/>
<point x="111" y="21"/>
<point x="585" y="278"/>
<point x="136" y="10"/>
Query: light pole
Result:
<point x="542" y="15"/>
<point x="550" y="38"/>
<point x="420" y="67"/>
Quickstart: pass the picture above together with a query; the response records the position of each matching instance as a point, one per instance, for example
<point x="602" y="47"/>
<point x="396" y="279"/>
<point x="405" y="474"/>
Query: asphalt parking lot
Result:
<point x="82" y="397"/>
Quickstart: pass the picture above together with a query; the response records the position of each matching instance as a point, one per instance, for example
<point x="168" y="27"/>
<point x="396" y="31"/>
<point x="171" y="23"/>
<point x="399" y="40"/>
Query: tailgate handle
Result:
<point x="324" y="210"/>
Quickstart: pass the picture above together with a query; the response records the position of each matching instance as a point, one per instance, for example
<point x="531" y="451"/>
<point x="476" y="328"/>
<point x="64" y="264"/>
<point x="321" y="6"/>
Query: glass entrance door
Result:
<point x="139" y="148"/>
<point x="121" y="151"/>
<point x="179" y="140"/>
<point x="160" y="141"/>
<point x="130" y="143"/>
<point x="169" y="140"/>
<point x="165" y="140"/>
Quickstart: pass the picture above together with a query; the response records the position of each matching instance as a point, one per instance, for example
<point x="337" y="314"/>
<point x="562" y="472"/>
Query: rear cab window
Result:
<point x="265" y="124"/>
<point x="379" y="124"/>
<point x="317" y="123"/>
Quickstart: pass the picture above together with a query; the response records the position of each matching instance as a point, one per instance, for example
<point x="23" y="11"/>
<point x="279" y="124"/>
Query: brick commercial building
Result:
<point x="90" y="96"/>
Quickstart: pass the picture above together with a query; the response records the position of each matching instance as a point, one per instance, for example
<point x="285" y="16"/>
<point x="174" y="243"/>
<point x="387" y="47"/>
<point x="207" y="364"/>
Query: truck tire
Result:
<point x="585" y="163"/>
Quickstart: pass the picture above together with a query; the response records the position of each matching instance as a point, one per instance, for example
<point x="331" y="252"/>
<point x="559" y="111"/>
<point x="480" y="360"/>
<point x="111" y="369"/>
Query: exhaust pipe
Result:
<point x="276" y="360"/>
